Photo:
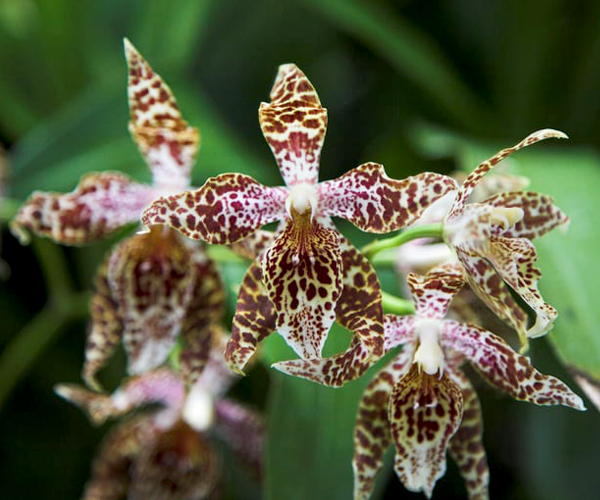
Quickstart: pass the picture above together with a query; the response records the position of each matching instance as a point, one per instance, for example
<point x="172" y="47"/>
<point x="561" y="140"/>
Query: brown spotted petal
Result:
<point x="253" y="321"/>
<point x="302" y="274"/>
<point x="474" y="177"/>
<point x="217" y="377"/>
<point x="433" y="292"/>
<point x="104" y="331"/>
<point x="228" y="208"/>
<point x="425" y="412"/>
<point x="294" y="125"/>
<point x="152" y="282"/>
<point x="101" y="203"/>
<point x="466" y="446"/>
<point x="372" y="434"/>
<point x="168" y="144"/>
<point x="505" y="369"/>
<point x="540" y="214"/>
<point x="373" y="202"/>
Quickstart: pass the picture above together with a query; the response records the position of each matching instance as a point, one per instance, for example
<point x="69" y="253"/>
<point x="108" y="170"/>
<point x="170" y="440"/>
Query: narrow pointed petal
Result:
<point x="493" y="292"/>
<point x="466" y="446"/>
<point x="302" y="274"/>
<point x="540" y="213"/>
<point x="253" y="321"/>
<point x="294" y="125"/>
<point x="372" y="434"/>
<point x="399" y="330"/>
<point x="105" y="330"/>
<point x="255" y="244"/>
<point x="373" y="202"/>
<point x="506" y="369"/>
<point x="243" y="429"/>
<point x="425" y="412"/>
<point x="513" y="259"/>
<point x="196" y="352"/>
<point x="433" y="292"/>
<point x="96" y="405"/>
<point x="101" y="203"/>
<point x="228" y="208"/>
<point x="149" y="275"/>
<point x="474" y="177"/>
<point x="168" y="144"/>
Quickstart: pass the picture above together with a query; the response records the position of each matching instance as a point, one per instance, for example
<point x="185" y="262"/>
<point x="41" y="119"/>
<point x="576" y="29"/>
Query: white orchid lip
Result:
<point x="429" y="354"/>
<point x="199" y="409"/>
<point x="302" y="197"/>
<point x="507" y="216"/>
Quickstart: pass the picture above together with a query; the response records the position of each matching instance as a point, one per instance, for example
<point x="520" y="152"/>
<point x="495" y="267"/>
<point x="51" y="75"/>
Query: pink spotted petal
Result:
<point x="253" y="321"/>
<point x="473" y="179"/>
<point x="105" y="330"/>
<point x="150" y="279"/>
<point x="101" y="203"/>
<point x="424" y="412"/>
<point x="243" y="429"/>
<point x="372" y="434"/>
<point x="513" y="259"/>
<point x="302" y="274"/>
<point x="433" y="292"/>
<point x="294" y="125"/>
<point x="373" y="202"/>
<point x="399" y="330"/>
<point x="506" y="369"/>
<point x="466" y="446"/>
<point x="168" y="144"/>
<point x="228" y="208"/>
<point x="540" y="213"/>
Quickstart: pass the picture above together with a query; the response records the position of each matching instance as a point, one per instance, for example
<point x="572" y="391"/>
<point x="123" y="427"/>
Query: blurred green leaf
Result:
<point x="570" y="271"/>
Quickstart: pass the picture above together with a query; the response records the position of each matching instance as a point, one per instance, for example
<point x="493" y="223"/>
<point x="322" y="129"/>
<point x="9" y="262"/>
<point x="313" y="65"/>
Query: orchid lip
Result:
<point x="429" y="354"/>
<point x="199" y="409"/>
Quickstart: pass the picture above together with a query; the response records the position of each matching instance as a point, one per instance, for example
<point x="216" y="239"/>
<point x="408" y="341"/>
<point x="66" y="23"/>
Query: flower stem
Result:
<point x="396" y="305"/>
<point x="413" y="233"/>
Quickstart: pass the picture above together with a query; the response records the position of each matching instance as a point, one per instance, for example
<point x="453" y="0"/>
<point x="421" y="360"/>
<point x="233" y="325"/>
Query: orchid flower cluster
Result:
<point x="159" y="293"/>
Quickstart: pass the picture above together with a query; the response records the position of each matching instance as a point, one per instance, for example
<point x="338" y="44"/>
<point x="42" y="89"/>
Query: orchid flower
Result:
<point x="422" y="401"/>
<point x="309" y="276"/>
<point x="154" y="285"/>
<point x="492" y="241"/>
<point x="168" y="453"/>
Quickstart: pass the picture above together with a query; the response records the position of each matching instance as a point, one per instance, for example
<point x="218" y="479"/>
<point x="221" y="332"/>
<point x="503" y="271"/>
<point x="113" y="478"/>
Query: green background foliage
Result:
<point x="392" y="75"/>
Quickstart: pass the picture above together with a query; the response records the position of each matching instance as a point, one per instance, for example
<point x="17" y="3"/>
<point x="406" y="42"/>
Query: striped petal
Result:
<point x="425" y="412"/>
<point x="253" y="321"/>
<point x="433" y="292"/>
<point x="483" y="168"/>
<point x="505" y="369"/>
<point x="373" y="202"/>
<point x="101" y="203"/>
<point x="228" y="208"/>
<point x="540" y="214"/>
<point x="168" y="144"/>
<point x="105" y="330"/>
<point x="294" y="125"/>
<point x="149" y="275"/>
<point x="302" y="274"/>
<point x="372" y="434"/>
<point x="466" y="446"/>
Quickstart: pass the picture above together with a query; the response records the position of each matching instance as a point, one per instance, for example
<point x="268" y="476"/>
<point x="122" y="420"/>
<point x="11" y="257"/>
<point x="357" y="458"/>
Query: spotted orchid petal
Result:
<point x="399" y="330"/>
<point x="483" y="168"/>
<point x="243" y="429"/>
<point x="101" y="203"/>
<point x="424" y="413"/>
<point x="253" y="321"/>
<point x="372" y="434"/>
<point x="466" y="446"/>
<point x="358" y="310"/>
<point x="217" y="377"/>
<point x="294" y="125"/>
<point x="499" y="181"/>
<point x="302" y="274"/>
<point x="373" y="202"/>
<point x="505" y="369"/>
<point x="228" y="208"/>
<point x="540" y="214"/>
<point x="433" y="292"/>
<point x="105" y="330"/>
<point x="168" y="144"/>
<point x="149" y="275"/>
<point x="196" y="352"/>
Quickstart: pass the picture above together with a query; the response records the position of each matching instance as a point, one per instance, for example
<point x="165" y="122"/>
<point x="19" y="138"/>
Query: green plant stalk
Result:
<point x="427" y="231"/>
<point x="396" y="305"/>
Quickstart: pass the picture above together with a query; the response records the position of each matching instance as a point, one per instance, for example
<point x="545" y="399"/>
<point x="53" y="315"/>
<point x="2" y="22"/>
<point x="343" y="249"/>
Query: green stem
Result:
<point x="8" y="208"/>
<point x="413" y="233"/>
<point x="54" y="268"/>
<point x="396" y="305"/>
